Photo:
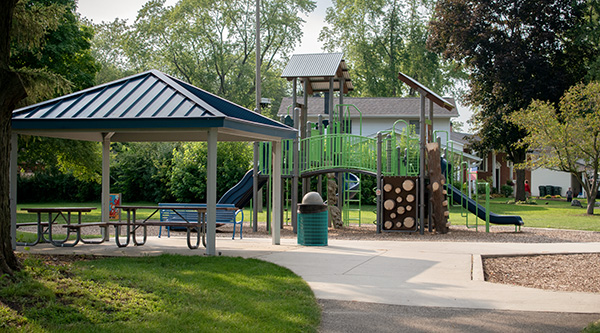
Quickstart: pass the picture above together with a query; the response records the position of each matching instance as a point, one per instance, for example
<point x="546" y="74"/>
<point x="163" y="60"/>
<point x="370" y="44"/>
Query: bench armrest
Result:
<point x="238" y="212"/>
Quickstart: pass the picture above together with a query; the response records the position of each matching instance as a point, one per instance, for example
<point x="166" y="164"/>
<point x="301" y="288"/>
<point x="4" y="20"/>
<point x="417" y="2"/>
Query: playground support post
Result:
<point x="295" y="176"/>
<point x="320" y="177"/>
<point x="330" y="101"/>
<point x="378" y="180"/>
<point x="422" y="165"/>
<point x="258" y="100"/>
<point x="303" y="134"/>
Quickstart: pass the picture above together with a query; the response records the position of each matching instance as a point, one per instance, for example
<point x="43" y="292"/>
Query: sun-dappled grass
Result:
<point x="156" y="294"/>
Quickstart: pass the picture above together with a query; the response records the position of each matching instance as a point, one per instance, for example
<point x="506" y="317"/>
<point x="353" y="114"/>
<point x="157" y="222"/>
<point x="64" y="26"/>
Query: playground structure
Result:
<point x="395" y="157"/>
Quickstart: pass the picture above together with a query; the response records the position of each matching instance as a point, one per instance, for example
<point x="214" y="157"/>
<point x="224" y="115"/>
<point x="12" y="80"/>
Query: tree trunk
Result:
<point x="520" y="193"/>
<point x="11" y="93"/>
<point x="591" y="204"/>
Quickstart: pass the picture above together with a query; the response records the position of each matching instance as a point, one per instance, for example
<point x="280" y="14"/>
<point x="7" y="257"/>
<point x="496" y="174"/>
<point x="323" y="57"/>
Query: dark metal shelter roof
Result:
<point x="318" y="68"/>
<point x="150" y="106"/>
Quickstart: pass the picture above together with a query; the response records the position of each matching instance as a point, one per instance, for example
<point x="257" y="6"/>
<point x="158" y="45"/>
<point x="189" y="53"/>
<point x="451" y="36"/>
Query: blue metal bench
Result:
<point x="226" y="213"/>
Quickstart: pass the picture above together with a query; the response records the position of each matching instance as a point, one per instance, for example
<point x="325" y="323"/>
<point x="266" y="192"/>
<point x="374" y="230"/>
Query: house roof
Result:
<point x="373" y="107"/>
<point x="459" y="137"/>
<point x="318" y="68"/>
<point x="149" y="106"/>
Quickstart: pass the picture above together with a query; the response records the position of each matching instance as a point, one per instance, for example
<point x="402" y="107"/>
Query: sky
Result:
<point x="107" y="10"/>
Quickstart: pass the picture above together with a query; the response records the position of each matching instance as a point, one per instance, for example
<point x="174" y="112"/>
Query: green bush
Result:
<point x="506" y="190"/>
<point x="54" y="187"/>
<point x="140" y="170"/>
<point x="187" y="181"/>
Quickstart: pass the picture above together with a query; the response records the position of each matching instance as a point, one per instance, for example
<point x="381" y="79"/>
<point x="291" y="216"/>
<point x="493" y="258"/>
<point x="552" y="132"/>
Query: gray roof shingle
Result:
<point x="374" y="106"/>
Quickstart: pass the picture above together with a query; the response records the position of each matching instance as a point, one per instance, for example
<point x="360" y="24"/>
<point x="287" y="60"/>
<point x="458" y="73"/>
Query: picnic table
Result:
<point x="132" y="225"/>
<point x="45" y="227"/>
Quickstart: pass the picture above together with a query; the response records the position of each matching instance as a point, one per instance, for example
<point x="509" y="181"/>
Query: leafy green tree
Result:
<point x="188" y="175"/>
<point x="515" y="52"/>
<point x="381" y="38"/>
<point x="82" y="159"/>
<point x="211" y="44"/>
<point x="53" y="61"/>
<point x="58" y="60"/>
<point x="107" y="48"/>
<point x="141" y="170"/>
<point x="567" y="139"/>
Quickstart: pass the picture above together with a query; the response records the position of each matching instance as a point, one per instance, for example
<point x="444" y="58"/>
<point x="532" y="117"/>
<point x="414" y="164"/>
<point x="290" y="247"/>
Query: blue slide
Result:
<point x="241" y="194"/>
<point x="478" y="209"/>
<point x="475" y="208"/>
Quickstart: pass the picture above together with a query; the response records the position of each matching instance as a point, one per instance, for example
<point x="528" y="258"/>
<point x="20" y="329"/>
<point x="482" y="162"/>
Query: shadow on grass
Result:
<point x="165" y="293"/>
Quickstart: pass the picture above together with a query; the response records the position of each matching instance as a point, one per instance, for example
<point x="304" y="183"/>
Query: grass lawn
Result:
<point x="156" y="294"/>
<point x="544" y="214"/>
<point x="93" y="216"/>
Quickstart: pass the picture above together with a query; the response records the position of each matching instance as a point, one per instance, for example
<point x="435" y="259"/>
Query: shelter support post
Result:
<point x="105" y="201"/>
<point x="276" y="221"/>
<point x="255" y="199"/>
<point x="14" y="146"/>
<point x="211" y="192"/>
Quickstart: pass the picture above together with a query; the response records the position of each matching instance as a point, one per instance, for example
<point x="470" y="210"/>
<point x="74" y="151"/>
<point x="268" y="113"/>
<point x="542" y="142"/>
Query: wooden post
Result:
<point x="438" y="200"/>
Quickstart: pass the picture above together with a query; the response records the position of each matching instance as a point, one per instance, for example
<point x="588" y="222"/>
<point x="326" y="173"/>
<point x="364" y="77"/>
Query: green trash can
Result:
<point x="542" y="189"/>
<point x="549" y="190"/>
<point x="312" y="221"/>
<point x="557" y="190"/>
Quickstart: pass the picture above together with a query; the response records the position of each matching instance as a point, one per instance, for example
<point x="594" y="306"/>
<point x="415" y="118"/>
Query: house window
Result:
<point x="415" y="123"/>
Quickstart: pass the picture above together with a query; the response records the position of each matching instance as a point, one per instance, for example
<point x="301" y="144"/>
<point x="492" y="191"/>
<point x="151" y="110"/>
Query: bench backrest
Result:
<point x="223" y="216"/>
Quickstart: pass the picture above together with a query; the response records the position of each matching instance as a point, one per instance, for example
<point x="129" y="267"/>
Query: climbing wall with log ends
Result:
<point x="438" y="200"/>
<point x="399" y="204"/>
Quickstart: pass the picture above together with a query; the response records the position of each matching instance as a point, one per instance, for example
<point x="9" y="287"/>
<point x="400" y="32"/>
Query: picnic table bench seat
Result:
<point x="226" y="214"/>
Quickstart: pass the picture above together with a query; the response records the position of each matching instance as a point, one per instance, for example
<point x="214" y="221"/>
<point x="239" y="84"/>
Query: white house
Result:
<point x="378" y="113"/>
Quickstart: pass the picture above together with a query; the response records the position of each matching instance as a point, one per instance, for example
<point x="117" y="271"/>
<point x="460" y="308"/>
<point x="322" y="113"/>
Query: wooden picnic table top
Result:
<point x="58" y="209"/>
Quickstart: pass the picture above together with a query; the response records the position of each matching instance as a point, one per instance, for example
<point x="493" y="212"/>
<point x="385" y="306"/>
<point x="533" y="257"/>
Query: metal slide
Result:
<point x="479" y="210"/>
<point x="241" y="194"/>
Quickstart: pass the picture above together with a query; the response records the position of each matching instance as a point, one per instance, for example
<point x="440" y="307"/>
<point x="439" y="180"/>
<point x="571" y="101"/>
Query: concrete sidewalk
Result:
<point x="427" y="274"/>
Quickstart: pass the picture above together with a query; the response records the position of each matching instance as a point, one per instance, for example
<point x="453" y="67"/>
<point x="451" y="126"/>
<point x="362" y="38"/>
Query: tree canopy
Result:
<point x="51" y="51"/>
<point x="210" y="44"/>
<point x="567" y="139"/>
<point x="380" y="39"/>
<point x="514" y="52"/>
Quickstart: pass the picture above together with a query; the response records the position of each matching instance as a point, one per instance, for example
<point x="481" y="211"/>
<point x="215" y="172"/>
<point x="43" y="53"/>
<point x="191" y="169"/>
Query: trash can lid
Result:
<point x="312" y="198"/>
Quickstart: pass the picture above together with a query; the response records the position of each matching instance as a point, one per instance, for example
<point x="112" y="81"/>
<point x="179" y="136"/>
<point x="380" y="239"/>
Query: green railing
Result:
<point x="338" y="151"/>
